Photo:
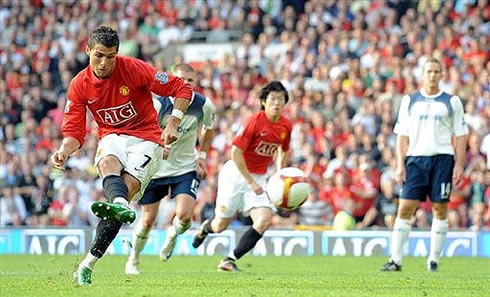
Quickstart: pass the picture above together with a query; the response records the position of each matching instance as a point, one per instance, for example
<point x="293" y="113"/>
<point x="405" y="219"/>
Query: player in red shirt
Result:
<point x="242" y="179"/>
<point x="118" y="93"/>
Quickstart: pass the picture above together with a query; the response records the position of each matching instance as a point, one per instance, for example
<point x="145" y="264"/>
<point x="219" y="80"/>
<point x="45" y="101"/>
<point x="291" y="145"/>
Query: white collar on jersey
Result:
<point x="172" y="99"/>
<point x="430" y="96"/>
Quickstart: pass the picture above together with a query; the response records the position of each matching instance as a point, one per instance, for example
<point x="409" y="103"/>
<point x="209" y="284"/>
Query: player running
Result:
<point x="180" y="173"/>
<point x="427" y="162"/>
<point x="242" y="179"/>
<point x="117" y="91"/>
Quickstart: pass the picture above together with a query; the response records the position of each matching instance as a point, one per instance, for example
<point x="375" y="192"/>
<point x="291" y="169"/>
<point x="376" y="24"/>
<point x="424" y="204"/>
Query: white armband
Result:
<point x="177" y="113"/>
<point x="202" y="155"/>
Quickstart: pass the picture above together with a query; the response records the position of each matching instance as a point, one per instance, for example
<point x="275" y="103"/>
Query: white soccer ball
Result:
<point x="288" y="188"/>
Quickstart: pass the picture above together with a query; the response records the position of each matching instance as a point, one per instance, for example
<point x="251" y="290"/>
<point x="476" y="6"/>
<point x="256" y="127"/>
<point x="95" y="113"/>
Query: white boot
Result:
<point x="132" y="266"/>
<point x="169" y="244"/>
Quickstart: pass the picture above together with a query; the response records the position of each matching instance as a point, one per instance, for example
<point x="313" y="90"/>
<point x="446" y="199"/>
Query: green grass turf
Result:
<point x="27" y="275"/>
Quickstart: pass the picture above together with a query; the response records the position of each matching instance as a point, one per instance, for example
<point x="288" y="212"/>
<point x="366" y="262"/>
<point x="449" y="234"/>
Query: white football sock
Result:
<point x="179" y="226"/>
<point x="401" y="229"/>
<point x="140" y="237"/>
<point x="438" y="234"/>
<point x="231" y="255"/>
<point x="121" y="200"/>
<point x="89" y="261"/>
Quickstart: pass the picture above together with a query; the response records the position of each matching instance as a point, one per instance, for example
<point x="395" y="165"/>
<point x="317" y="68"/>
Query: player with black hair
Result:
<point x="118" y="92"/>
<point x="242" y="179"/>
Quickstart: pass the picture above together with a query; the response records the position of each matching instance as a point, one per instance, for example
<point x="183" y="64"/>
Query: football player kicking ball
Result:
<point x="427" y="162"/>
<point x="180" y="172"/>
<point x="242" y="179"/>
<point x="117" y="91"/>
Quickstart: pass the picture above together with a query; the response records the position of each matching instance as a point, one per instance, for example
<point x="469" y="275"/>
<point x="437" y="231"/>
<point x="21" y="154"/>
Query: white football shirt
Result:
<point x="430" y="122"/>
<point x="183" y="155"/>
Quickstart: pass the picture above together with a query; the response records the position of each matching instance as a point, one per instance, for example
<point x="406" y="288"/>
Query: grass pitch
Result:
<point x="28" y="275"/>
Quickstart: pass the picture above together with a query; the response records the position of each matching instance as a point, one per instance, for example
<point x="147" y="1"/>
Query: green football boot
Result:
<point x="114" y="211"/>
<point x="83" y="276"/>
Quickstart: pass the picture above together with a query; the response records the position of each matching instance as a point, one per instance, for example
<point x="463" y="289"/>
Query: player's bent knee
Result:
<point x="132" y="183"/>
<point x="406" y="208"/>
<point x="148" y="221"/>
<point x="440" y="210"/>
<point x="184" y="217"/>
<point x="148" y="218"/>
<point x="218" y="225"/>
<point x="261" y="223"/>
<point x="109" y="164"/>
<point x="261" y="226"/>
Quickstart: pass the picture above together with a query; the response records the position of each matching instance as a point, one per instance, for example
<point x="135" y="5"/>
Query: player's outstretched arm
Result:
<point x="68" y="146"/>
<point x="237" y="157"/>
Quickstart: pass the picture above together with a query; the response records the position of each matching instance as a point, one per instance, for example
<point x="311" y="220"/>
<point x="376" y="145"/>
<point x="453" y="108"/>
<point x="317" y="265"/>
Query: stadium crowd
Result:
<point x="346" y="64"/>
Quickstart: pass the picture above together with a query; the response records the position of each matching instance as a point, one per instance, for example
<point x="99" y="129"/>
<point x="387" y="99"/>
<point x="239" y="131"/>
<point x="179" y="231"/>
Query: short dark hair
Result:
<point x="106" y="36"/>
<point x="274" y="86"/>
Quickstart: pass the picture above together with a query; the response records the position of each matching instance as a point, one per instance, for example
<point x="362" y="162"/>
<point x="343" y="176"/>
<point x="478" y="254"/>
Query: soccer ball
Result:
<point x="288" y="188"/>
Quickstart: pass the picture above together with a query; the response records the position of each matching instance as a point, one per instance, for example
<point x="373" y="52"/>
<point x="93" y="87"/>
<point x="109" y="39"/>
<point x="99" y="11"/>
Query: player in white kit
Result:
<point x="428" y="163"/>
<point x="180" y="173"/>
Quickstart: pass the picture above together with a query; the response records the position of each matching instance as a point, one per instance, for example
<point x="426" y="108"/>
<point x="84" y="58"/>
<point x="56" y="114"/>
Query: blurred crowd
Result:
<point x="346" y="64"/>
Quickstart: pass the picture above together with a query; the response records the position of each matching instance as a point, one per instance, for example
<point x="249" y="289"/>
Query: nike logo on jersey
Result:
<point x="262" y="134"/>
<point x="92" y="101"/>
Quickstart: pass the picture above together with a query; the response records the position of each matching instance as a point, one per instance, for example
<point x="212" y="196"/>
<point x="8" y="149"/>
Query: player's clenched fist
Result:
<point x="256" y="188"/>
<point x="201" y="168"/>
<point x="58" y="159"/>
<point x="166" y="151"/>
<point x="169" y="134"/>
<point x="400" y="175"/>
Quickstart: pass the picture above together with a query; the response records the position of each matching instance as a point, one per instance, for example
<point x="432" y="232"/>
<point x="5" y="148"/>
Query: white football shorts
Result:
<point x="235" y="194"/>
<point x="139" y="157"/>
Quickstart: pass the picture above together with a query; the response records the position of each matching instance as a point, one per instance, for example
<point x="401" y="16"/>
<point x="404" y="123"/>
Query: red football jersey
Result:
<point x="122" y="103"/>
<point x="260" y="140"/>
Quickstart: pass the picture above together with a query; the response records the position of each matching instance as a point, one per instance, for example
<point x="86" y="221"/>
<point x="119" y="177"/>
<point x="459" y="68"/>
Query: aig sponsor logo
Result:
<point x="54" y="241"/>
<point x="362" y="243"/>
<point x="266" y="149"/>
<point x="117" y="115"/>
<point x="456" y="244"/>
<point x="215" y="244"/>
<point x="285" y="243"/>
<point x="357" y="243"/>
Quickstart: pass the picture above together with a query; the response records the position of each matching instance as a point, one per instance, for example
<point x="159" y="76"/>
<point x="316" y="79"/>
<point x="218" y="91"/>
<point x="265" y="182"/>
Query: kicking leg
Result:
<point x="119" y="189"/>
<point x="116" y="190"/>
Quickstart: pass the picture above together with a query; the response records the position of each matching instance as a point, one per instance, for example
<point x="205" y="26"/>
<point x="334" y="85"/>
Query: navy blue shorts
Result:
<point x="428" y="176"/>
<point x="160" y="187"/>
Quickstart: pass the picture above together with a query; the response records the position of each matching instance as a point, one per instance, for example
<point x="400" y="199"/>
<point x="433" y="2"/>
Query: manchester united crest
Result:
<point x="124" y="90"/>
<point x="283" y="135"/>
